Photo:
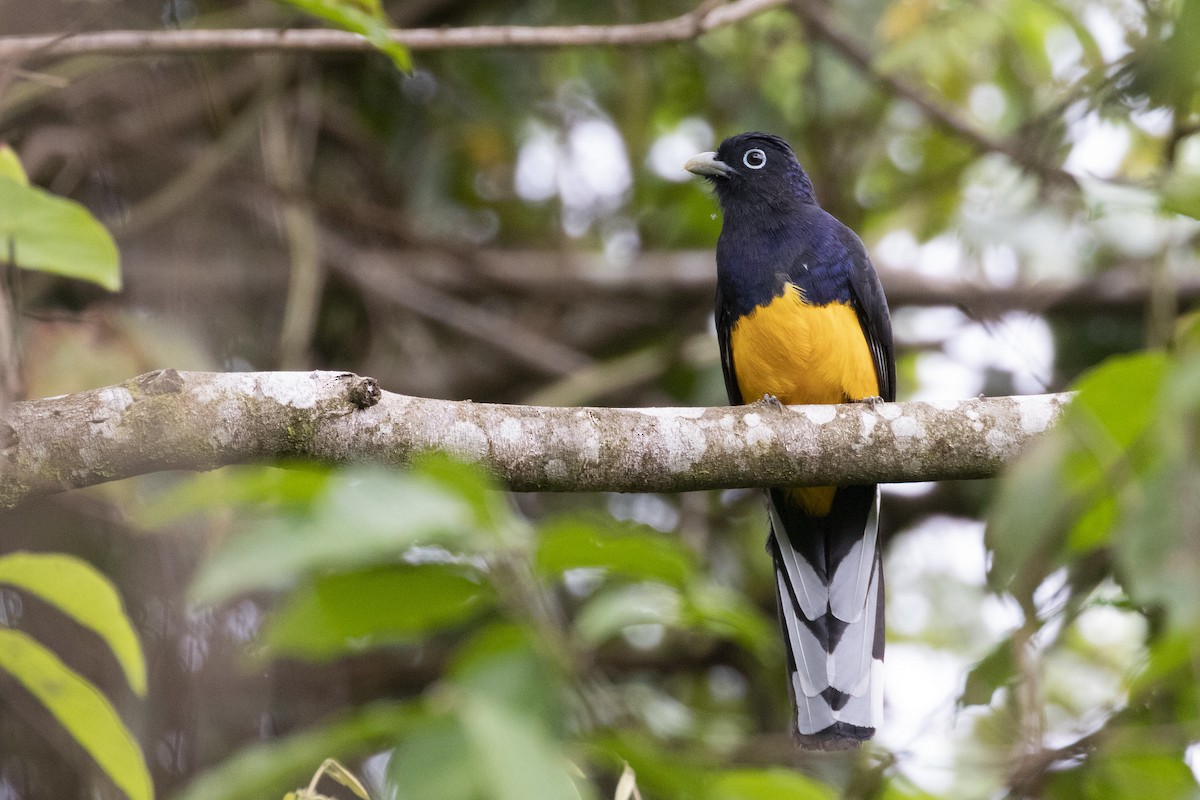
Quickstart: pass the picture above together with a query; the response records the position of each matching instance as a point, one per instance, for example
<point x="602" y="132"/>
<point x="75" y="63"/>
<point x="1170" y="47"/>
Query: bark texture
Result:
<point x="169" y="420"/>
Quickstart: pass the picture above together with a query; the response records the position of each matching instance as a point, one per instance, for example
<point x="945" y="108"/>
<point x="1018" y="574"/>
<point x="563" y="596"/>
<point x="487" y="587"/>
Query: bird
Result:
<point x="801" y="318"/>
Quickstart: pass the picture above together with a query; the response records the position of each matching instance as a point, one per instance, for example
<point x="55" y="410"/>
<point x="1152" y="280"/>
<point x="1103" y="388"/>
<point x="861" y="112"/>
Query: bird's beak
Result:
<point x="707" y="165"/>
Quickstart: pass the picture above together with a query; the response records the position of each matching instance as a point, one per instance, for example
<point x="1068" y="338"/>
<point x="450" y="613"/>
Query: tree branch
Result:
<point x="682" y="28"/>
<point x="169" y="420"/>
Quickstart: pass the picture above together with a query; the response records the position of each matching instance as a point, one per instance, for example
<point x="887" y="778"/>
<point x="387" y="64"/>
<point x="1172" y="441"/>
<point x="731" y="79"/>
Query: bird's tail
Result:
<point x="829" y="584"/>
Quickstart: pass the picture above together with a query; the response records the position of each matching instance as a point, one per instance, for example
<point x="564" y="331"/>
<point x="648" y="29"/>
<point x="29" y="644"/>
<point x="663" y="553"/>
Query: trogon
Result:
<point x="801" y="318"/>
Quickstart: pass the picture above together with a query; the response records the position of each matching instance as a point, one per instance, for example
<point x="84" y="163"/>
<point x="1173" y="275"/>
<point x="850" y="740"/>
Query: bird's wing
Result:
<point x="866" y="295"/>
<point x="724" y="320"/>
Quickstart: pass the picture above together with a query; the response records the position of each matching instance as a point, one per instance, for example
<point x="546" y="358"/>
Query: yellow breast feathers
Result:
<point x="801" y="353"/>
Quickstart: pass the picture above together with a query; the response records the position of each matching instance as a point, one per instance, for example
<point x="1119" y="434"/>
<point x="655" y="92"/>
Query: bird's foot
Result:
<point x="772" y="401"/>
<point x="874" y="402"/>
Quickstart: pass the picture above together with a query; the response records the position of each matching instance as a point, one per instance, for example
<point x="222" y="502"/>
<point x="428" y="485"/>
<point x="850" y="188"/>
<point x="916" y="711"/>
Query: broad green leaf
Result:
<point x="515" y="755"/>
<point x="613" y="610"/>
<point x="994" y="670"/>
<point x="367" y="20"/>
<point x="80" y="708"/>
<point x="267" y="769"/>
<point x="768" y="784"/>
<point x="725" y="613"/>
<point x="353" y="611"/>
<point x="289" y="488"/>
<point x="10" y="166"/>
<point x="435" y="762"/>
<point x="503" y="661"/>
<point x="570" y="543"/>
<point x="44" y="233"/>
<point x="1119" y="395"/>
<point x="363" y="517"/>
<point x="85" y="595"/>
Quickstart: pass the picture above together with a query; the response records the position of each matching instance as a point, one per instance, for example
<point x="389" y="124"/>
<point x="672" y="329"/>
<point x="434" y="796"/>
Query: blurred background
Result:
<point x="514" y="225"/>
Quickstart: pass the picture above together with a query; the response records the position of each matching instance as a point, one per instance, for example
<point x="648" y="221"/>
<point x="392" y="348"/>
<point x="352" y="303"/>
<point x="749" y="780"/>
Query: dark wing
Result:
<point x="724" y="320"/>
<point x="866" y="295"/>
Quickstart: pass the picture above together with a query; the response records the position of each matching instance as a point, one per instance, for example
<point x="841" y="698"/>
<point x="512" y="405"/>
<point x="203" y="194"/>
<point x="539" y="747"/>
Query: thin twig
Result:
<point x="681" y="28"/>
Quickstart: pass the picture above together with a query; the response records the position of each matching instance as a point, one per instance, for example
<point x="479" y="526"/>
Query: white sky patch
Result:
<point x="1154" y="121"/>
<point x="1099" y="147"/>
<point x="586" y="166"/>
<point x="940" y="377"/>
<point x="920" y="690"/>
<point x="940" y="257"/>
<point x="691" y="136"/>
<point x="537" y="166"/>
<point x="1018" y="343"/>
<point x="1065" y="53"/>
<point x="988" y="103"/>
<point x="897" y="249"/>
<point x="1108" y="33"/>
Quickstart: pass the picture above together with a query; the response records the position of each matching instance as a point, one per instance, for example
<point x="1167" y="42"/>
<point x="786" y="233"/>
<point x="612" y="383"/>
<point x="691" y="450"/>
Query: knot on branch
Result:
<point x="363" y="392"/>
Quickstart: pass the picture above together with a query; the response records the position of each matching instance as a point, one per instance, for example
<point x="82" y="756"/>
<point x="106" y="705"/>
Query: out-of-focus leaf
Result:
<point x="615" y="609"/>
<point x="1062" y="492"/>
<point x="79" y="591"/>
<point x="574" y="542"/>
<point x="435" y="762"/>
<point x="1029" y="511"/>
<point x="1181" y="195"/>
<point x="363" y="517"/>
<point x="363" y="18"/>
<point x="514" y="753"/>
<point x="10" y="166"/>
<point x="994" y="670"/>
<point x="470" y="482"/>
<point x="352" y="611"/>
<point x="768" y="784"/>
<point x="45" y="233"/>
<point x="267" y="769"/>
<point x="289" y="488"/>
<point x="502" y="661"/>
<point x="729" y="615"/>
<point x="80" y="708"/>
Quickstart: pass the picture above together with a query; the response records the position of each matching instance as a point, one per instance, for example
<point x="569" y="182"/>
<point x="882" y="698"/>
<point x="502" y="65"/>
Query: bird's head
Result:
<point x="754" y="171"/>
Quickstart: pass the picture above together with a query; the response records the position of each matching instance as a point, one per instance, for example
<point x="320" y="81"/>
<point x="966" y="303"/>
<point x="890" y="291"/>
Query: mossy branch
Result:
<point x="170" y="420"/>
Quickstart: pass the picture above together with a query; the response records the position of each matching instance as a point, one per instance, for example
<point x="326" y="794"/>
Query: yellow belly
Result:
<point x="801" y="353"/>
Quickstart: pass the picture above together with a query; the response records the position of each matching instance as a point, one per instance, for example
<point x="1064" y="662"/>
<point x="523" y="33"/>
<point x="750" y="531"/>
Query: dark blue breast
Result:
<point x="757" y="257"/>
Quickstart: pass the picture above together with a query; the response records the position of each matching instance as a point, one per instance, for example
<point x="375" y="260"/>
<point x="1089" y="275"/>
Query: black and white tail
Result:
<point x="829" y="584"/>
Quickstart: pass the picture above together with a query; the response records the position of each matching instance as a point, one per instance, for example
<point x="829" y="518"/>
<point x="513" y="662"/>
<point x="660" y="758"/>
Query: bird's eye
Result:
<point x="755" y="159"/>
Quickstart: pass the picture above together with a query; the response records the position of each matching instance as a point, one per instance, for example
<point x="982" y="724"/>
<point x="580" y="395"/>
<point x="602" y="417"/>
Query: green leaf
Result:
<point x="353" y="611"/>
<point x="729" y="615"/>
<point x="363" y="517"/>
<point x="613" y="610"/>
<point x="768" y="784"/>
<point x="994" y="670"/>
<point x="80" y="708"/>
<point x="366" y="20"/>
<point x="85" y="595"/>
<point x="41" y="232"/>
<point x="10" y="166"/>
<point x="435" y="762"/>
<point x="289" y="488"/>
<point x="267" y="769"/>
<point x="515" y="755"/>
<point x="641" y="554"/>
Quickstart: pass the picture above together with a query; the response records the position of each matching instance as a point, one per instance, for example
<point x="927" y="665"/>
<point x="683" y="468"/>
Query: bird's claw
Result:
<point x="874" y="401"/>
<point x="772" y="401"/>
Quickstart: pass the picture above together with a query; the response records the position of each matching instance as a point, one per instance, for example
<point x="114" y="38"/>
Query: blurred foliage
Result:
<point x="78" y="591"/>
<point x="444" y="639"/>
<point x="39" y="231"/>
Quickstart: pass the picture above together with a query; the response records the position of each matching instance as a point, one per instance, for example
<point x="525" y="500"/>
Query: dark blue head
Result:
<point x="754" y="172"/>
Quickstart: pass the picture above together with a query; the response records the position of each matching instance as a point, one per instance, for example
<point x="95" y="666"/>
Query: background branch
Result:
<point x="678" y="29"/>
<point x="193" y="420"/>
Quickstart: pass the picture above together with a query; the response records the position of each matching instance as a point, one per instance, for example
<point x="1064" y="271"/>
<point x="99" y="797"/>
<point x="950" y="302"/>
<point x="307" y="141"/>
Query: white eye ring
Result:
<point x="760" y="158"/>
